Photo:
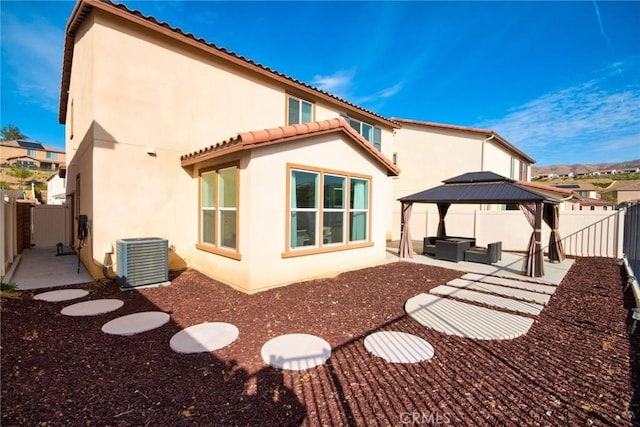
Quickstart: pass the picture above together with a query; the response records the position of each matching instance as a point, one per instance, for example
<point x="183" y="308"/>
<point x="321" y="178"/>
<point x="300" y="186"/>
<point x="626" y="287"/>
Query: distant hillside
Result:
<point x="581" y="168"/>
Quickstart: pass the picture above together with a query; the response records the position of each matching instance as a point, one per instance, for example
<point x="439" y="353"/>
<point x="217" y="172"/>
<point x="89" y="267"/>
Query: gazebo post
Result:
<point x="539" y="264"/>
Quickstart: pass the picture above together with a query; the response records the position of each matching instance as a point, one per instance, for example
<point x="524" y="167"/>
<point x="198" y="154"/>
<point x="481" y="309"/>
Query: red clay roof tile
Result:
<point x="249" y="140"/>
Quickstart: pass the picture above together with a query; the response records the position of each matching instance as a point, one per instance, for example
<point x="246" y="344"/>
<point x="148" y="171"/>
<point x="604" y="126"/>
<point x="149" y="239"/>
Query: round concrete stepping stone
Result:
<point x="93" y="307"/>
<point x="204" y="337"/>
<point x="136" y="323"/>
<point x="296" y="351"/>
<point x="61" y="295"/>
<point x="398" y="347"/>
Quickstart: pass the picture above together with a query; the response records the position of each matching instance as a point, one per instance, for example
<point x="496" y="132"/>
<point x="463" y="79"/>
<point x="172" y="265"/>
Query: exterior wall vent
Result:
<point x="142" y="261"/>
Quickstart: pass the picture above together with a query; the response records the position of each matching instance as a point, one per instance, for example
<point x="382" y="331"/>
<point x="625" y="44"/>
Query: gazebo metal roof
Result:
<point x="478" y="187"/>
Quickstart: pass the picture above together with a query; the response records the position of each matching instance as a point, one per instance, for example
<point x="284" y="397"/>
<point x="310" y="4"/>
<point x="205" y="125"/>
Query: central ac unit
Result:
<point x="142" y="261"/>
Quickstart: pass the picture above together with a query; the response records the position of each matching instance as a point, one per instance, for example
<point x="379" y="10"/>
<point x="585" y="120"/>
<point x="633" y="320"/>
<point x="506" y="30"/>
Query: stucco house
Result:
<point x="623" y="191"/>
<point x="255" y="178"/>
<point x="31" y="154"/>
<point x="57" y="188"/>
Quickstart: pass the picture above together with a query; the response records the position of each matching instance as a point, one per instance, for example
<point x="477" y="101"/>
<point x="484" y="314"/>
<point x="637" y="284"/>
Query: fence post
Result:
<point x="3" y="237"/>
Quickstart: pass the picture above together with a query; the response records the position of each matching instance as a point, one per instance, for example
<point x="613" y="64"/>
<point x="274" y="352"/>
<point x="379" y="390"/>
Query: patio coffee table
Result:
<point x="452" y="249"/>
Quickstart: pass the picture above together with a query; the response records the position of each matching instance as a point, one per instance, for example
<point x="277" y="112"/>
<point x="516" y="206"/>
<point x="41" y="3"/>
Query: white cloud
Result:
<point x="389" y="92"/>
<point x="32" y="55"/>
<point x="591" y="118"/>
<point x="339" y="83"/>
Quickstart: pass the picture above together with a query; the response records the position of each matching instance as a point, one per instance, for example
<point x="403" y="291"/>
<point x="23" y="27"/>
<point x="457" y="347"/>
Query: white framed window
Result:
<point x="298" y="111"/>
<point x="334" y="209"/>
<point x="359" y="210"/>
<point x="219" y="208"/>
<point x="304" y="208"/>
<point x="371" y="133"/>
<point x="327" y="210"/>
<point x="51" y="155"/>
<point x="31" y="153"/>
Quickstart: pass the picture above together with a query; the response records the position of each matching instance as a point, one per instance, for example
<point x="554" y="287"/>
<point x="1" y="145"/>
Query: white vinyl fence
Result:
<point x="51" y="225"/>
<point x="8" y="240"/>
<point x="583" y="233"/>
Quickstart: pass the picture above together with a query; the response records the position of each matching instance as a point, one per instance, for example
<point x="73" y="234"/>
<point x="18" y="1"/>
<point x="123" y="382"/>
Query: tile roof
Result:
<point x="546" y="187"/>
<point x="622" y="186"/>
<point x="249" y="140"/>
<point x="588" y="201"/>
<point x="486" y="133"/>
<point x="84" y="7"/>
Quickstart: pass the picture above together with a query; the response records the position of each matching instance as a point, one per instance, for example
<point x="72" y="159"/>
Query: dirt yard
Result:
<point x="575" y="366"/>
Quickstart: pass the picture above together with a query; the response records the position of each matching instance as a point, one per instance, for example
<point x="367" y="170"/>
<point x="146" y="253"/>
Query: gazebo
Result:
<point x="491" y="188"/>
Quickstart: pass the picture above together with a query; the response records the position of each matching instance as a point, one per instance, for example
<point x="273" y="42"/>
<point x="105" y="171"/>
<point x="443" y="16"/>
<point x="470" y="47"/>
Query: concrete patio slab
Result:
<point x="61" y="295"/>
<point x="93" y="307"/>
<point x="398" y="347"/>
<point x="507" y="303"/>
<point x="534" y="287"/>
<point x="465" y="320"/>
<point x="500" y="290"/>
<point x="40" y="268"/>
<point x="204" y="338"/>
<point x="296" y="352"/>
<point x="510" y="266"/>
<point x="135" y="323"/>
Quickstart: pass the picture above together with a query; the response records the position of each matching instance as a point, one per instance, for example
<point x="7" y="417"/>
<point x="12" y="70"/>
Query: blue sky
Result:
<point x="560" y="80"/>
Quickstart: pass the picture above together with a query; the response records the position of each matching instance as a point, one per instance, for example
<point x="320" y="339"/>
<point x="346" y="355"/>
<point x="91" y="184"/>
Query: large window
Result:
<point x="298" y="111"/>
<point x="371" y="133"/>
<point x="51" y="155"/>
<point x="219" y="208"/>
<point x="31" y="153"/>
<point x="327" y="210"/>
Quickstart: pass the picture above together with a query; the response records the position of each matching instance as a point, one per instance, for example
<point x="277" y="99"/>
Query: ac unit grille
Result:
<point x="142" y="261"/>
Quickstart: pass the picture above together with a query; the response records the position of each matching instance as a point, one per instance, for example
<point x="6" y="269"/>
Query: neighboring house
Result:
<point x="255" y="178"/>
<point x="31" y="154"/>
<point x="57" y="187"/>
<point x="428" y="153"/>
<point x="582" y="189"/>
<point x="623" y="191"/>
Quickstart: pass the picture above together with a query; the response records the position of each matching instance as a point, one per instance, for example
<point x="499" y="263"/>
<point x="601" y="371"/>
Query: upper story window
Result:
<point x="298" y="111"/>
<point x="523" y="171"/>
<point x="51" y="155"/>
<point x="31" y="153"/>
<point x="371" y="133"/>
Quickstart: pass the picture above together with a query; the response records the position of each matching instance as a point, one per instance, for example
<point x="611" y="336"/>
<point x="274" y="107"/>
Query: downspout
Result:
<point x="484" y="142"/>
<point x="483" y="207"/>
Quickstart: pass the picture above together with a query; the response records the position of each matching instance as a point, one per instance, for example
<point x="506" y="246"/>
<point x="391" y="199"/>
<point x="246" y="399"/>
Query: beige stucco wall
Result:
<point x="263" y="214"/>
<point x="425" y="158"/>
<point x="627" y="195"/>
<point x="134" y="91"/>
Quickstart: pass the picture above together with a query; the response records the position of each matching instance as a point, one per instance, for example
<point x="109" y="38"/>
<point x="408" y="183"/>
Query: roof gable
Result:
<point x="484" y="133"/>
<point x="84" y="7"/>
<point x="249" y="140"/>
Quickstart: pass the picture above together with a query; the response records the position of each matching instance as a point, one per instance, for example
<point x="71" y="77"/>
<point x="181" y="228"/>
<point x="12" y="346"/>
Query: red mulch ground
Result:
<point x="575" y="366"/>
